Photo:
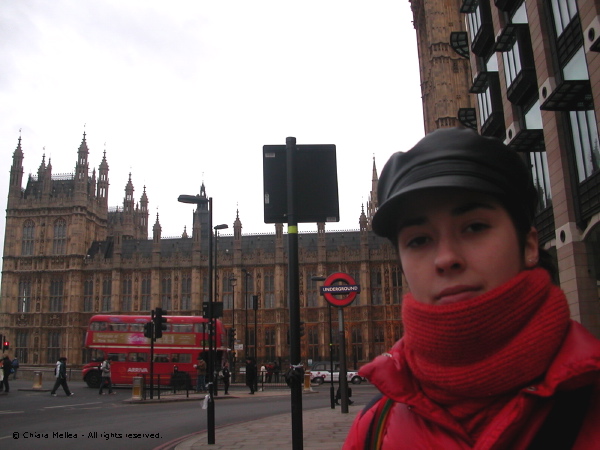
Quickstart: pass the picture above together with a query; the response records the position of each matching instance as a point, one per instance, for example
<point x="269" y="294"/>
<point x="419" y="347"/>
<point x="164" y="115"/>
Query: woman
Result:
<point x="489" y="357"/>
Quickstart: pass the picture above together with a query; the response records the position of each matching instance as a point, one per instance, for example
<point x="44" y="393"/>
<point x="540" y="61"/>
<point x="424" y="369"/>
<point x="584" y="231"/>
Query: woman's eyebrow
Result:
<point x="471" y="206"/>
<point x="410" y="222"/>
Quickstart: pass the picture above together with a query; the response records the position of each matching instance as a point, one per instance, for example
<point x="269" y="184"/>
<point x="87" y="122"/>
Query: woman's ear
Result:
<point x="531" y="253"/>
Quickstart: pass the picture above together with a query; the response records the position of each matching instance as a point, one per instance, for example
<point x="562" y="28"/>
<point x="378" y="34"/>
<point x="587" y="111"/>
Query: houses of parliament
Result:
<point x="69" y="256"/>
<point x="525" y="72"/>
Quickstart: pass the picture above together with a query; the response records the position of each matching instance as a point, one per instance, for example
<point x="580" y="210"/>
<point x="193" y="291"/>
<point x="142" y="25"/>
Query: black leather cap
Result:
<point x="455" y="158"/>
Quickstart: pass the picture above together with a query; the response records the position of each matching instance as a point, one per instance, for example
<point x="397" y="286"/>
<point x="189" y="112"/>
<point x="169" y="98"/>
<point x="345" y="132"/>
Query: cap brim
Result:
<point x="385" y="218"/>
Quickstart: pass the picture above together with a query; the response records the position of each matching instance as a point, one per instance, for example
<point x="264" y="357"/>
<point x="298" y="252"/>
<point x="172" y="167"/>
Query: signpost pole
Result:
<point x="294" y="294"/>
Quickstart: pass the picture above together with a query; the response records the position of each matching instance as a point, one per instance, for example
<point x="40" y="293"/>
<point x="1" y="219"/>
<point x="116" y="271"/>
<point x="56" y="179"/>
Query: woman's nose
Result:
<point x="448" y="257"/>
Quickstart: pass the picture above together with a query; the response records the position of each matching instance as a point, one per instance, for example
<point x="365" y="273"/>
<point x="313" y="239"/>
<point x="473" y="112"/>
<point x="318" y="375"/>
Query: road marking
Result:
<point x="11" y="412"/>
<point x="69" y="406"/>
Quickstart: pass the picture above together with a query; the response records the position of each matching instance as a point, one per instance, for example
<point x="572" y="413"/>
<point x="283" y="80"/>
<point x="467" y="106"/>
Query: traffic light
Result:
<point x="5" y="345"/>
<point x="160" y="322"/>
<point x="148" y="330"/>
<point x="301" y="328"/>
<point x="231" y="337"/>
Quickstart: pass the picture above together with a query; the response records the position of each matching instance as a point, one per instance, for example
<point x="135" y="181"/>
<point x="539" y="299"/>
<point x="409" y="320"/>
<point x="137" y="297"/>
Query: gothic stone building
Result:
<point x="68" y="256"/>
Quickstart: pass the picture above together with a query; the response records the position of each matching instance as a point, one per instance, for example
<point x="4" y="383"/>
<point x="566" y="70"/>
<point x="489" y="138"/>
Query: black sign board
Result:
<point x="316" y="186"/>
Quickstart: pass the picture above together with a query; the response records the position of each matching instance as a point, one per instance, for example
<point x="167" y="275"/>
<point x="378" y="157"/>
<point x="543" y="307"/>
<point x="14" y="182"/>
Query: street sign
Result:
<point x="329" y="290"/>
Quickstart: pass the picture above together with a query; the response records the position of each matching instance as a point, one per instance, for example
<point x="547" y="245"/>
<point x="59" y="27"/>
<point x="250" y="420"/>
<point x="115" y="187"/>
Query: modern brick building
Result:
<point x="528" y="73"/>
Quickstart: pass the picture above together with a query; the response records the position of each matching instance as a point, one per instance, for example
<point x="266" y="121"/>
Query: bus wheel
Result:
<point x="93" y="379"/>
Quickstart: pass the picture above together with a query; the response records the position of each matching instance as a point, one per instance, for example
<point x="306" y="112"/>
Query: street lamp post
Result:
<point x="223" y="226"/>
<point x="332" y="388"/>
<point x="246" y="353"/>
<point x="210" y="411"/>
<point x="232" y="282"/>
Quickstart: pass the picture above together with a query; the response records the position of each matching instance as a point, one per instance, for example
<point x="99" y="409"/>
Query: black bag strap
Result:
<point x="561" y="427"/>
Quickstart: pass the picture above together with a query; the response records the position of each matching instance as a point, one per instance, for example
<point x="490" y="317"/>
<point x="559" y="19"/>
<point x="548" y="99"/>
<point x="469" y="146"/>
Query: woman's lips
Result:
<point x="456" y="294"/>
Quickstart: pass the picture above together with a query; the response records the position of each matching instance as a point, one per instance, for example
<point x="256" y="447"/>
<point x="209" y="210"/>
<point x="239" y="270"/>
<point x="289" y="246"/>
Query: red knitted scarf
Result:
<point x="470" y="355"/>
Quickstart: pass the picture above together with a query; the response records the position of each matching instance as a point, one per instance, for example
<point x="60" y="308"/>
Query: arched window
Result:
<point x="28" y="237"/>
<point x="59" y="244"/>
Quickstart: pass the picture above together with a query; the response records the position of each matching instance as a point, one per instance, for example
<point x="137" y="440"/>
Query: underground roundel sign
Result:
<point x="333" y="292"/>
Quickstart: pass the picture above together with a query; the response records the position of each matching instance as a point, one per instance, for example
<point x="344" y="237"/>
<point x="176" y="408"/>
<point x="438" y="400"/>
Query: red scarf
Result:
<point x="471" y="356"/>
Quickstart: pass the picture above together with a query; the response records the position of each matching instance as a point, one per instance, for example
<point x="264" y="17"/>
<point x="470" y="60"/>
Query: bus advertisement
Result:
<point x="121" y="338"/>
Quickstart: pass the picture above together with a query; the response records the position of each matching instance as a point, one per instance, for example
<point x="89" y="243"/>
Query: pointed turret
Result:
<point x="82" y="167"/>
<point x="102" y="190"/>
<point x="142" y="219"/>
<point x="16" y="171"/>
<point x="156" y="231"/>
<point x="373" y="204"/>
<point x="237" y="226"/>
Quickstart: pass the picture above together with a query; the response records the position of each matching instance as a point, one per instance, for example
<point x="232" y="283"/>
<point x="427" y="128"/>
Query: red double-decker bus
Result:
<point x="121" y="337"/>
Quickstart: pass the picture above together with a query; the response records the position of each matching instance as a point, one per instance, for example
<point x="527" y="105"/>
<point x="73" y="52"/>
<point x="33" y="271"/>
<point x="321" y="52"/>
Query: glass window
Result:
<point x="563" y="12"/>
<point x="126" y="291"/>
<point x="533" y="117"/>
<point x="541" y="178"/>
<point x="376" y="285"/>
<point x="53" y="352"/>
<point x="269" y="284"/>
<point x="56" y="296"/>
<point x="24" y="300"/>
<point x="166" y="293"/>
<point x="59" y="244"/>
<point x="576" y="68"/>
<point x="88" y="295"/>
<point x="21" y="347"/>
<point x="186" y="292"/>
<point x="28" y="238"/>
<point x="106" y="294"/>
<point x="585" y="142"/>
<point x="146" y="292"/>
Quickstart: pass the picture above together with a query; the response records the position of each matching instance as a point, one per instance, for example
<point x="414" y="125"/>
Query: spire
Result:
<point x="373" y="203"/>
<point x="156" y="230"/>
<point x="16" y="170"/>
<point x="184" y="235"/>
<point x="102" y="187"/>
<point x="237" y="226"/>
<point x="82" y="167"/>
<point x="363" y="222"/>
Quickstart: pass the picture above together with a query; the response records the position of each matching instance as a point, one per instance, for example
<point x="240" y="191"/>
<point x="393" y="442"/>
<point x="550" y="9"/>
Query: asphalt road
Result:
<point x="35" y="420"/>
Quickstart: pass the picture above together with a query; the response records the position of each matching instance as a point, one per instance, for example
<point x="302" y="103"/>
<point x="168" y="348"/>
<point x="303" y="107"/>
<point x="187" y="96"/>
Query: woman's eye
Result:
<point x="417" y="241"/>
<point x="478" y="226"/>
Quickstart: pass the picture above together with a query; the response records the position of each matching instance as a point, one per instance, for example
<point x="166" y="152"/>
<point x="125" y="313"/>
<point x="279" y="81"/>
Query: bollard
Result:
<point x="137" y="389"/>
<point x="37" y="379"/>
<point x="307" y="386"/>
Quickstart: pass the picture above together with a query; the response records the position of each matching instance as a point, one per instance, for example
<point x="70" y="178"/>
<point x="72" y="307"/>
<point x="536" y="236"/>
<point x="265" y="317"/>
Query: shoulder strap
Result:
<point x="378" y="423"/>
<point x="561" y="427"/>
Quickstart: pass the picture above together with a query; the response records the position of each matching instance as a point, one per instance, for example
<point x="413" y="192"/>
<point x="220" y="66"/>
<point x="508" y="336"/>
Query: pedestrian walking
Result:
<point x="60" y="372"/>
<point x="105" y="371"/>
<point x="490" y="357"/>
<point x="251" y="375"/>
<point x="226" y="377"/>
<point x="200" y="367"/>
<point x="6" y="368"/>
<point x="15" y="367"/>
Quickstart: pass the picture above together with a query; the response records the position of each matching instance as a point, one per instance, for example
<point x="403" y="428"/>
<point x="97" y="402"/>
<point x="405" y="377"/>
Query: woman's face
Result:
<point x="456" y="244"/>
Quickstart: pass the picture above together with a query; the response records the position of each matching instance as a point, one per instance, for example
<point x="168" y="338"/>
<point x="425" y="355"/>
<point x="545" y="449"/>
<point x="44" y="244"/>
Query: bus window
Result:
<point x="184" y="357"/>
<point x="98" y="326"/>
<point x="200" y="328"/>
<point x="136" y="327"/>
<point x="117" y="356"/>
<point x="119" y="326"/>
<point x="161" y="358"/>
<point x="137" y="357"/>
<point x="181" y="327"/>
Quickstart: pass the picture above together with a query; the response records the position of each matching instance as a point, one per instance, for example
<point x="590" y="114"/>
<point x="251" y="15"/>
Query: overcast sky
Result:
<point x="179" y="92"/>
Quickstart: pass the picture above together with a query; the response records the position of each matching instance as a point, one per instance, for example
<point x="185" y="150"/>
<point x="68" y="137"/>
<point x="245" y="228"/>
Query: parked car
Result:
<point x="320" y="373"/>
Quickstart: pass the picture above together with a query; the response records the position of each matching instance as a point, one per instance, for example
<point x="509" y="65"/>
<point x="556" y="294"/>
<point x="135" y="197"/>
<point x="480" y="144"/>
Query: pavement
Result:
<point x="323" y="429"/>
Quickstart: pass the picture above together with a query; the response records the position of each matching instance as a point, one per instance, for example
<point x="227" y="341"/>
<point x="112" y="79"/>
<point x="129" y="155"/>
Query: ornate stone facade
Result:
<point x="68" y="256"/>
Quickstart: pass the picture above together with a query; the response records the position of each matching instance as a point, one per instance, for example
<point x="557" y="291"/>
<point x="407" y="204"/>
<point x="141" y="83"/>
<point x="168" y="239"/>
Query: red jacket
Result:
<point x="415" y="422"/>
